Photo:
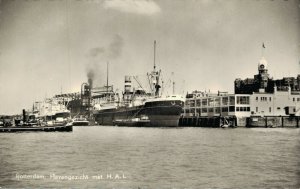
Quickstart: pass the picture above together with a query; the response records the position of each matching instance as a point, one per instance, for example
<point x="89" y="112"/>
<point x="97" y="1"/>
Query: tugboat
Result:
<point x="31" y="124"/>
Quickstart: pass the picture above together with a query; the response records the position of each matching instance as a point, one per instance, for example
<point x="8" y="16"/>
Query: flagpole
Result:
<point x="262" y="49"/>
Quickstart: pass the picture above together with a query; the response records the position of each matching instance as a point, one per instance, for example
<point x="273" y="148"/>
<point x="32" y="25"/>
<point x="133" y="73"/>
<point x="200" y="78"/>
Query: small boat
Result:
<point x="271" y="126"/>
<point x="134" y="122"/>
<point x="224" y="123"/>
<point x="224" y="126"/>
<point x="80" y="122"/>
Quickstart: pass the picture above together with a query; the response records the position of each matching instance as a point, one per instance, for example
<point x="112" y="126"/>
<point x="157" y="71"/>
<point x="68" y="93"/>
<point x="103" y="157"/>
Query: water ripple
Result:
<point x="154" y="158"/>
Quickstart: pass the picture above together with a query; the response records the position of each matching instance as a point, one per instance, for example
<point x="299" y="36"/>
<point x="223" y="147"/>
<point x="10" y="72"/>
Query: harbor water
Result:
<point x="126" y="157"/>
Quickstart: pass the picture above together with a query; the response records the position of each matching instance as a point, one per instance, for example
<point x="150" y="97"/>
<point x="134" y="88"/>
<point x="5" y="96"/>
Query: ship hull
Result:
<point x="160" y="114"/>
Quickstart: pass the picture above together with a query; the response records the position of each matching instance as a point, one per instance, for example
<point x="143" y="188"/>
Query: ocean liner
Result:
<point x="138" y="107"/>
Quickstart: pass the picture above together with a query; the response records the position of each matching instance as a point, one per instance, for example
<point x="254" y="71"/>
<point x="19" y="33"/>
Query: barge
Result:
<point x="62" y="128"/>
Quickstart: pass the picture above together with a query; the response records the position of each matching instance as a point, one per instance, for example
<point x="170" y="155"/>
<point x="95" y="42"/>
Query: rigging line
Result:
<point x="134" y="115"/>
<point x="135" y="78"/>
<point x="68" y="43"/>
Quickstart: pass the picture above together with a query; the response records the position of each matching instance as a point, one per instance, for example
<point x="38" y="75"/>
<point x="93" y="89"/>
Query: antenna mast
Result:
<point x="173" y="82"/>
<point x="173" y="87"/>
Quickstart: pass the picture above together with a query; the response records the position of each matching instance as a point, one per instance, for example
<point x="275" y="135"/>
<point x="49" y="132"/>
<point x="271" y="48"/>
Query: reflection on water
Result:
<point x="124" y="157"/>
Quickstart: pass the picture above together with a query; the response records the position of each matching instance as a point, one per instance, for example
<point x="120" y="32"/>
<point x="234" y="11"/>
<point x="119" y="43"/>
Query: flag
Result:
<point x="263" y="45"/>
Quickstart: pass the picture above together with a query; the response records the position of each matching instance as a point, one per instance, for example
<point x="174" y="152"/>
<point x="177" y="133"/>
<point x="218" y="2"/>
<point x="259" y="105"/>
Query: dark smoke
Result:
<point x="115" y="47"/>
<point x="97" y="51"/>
<point x="91" y="74"/>
<point x="99" y="56"/>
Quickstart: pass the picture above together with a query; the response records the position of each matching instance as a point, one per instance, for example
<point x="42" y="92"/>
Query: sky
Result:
<point x="53" y="46"/>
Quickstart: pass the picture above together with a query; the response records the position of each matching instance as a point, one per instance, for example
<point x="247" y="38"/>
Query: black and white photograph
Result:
<point x="149" y="94"/>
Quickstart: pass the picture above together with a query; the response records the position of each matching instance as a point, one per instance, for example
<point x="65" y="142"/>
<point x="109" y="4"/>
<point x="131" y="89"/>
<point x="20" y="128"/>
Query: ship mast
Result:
<point x="154" y="66"/>
<point x="153" y="77"/>
<point x="107" y="77"/>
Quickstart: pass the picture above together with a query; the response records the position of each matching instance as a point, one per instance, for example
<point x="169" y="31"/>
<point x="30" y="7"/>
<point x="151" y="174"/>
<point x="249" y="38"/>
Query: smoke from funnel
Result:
<point x="115" y="47"/>
<point x="91" y="75"/>
<point x="98" y="57"/>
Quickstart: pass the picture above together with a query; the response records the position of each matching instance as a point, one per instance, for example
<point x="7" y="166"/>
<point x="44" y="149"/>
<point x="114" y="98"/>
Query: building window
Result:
<point x="231" y="108"/>
<point x="198" y="103"/>
<point x="242" y="99"/>
<point x="298" y="99"/>
<point x="294" y="99"/>
<point x="242" y="109"/>
<point x="270" y="98"/>
<point x="217" y="101"/>
<point x="270" y="109"/>
<point x="263" y="98"/>
<point x="256" y="109"/>
<point x="204" y="102"/>
<point x="193" y="110"/>
<point x="211" y="102"/>
<point x="278" y="108"/>
<point x="257" y="98"/>
<point x="225" y="101"/>
<point x="224" y="109"/>
<point x="232" y="100"/>
<point x="192" y="103"/>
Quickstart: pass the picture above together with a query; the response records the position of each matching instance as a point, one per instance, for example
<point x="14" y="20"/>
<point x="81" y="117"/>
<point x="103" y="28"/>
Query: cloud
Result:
<point x="144" y="7"/>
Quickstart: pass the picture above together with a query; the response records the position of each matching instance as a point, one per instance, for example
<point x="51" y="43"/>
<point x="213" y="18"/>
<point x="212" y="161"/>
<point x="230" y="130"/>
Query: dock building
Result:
<point x="258" y="101"/>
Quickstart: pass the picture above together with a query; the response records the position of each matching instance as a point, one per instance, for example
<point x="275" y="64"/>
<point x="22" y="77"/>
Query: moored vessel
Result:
<point x="80" y="121"/>
<point x="60" y="128"/>
<point x="162" y="110"/>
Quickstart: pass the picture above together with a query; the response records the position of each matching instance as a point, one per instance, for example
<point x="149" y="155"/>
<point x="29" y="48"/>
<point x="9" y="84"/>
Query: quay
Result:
<point x="204" y="121"/>
<point x="268" y="121"/>
<point x="65" y="128"/>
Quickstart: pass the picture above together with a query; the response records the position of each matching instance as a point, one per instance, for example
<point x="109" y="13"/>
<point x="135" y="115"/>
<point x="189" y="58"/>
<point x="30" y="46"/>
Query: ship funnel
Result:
<point x="24" y="116"/>
<point x="127" y="84"/>
<point x="90" y="81"/>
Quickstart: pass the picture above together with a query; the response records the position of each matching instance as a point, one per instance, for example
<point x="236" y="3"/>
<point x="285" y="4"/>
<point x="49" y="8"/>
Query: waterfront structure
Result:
<point x="278" y="103"/>
<point x="270" y="97"/>
<point x="260" y="96"/>
<point x="211" y="105"/>
<point x="262" y="82"/>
